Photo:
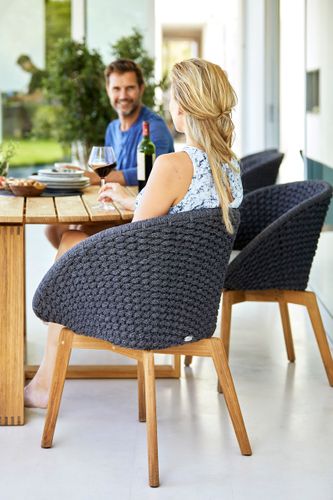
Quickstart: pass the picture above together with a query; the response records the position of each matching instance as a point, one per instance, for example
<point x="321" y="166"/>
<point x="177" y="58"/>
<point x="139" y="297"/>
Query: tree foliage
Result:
<point x="75" y="85"/>
<point x="75" y="88"/>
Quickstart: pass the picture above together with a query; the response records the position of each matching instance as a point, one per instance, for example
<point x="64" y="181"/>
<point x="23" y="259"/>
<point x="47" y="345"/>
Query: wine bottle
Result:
<point x="145" y="156"/>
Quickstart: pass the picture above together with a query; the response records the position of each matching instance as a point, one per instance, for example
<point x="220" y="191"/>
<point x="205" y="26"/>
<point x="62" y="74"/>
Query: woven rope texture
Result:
<point x="146" y="285"/>
<point x="279" y="232"/>
<point x="260" y="169"/>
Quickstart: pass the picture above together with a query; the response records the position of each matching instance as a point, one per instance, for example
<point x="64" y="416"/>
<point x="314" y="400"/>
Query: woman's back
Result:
<point x="202" y="192"/>
<point x="195" y="183"/>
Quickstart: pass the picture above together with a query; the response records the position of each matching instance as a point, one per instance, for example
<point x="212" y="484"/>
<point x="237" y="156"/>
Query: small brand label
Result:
<point x="188" y="338"/>
<point x="144" y="165"/>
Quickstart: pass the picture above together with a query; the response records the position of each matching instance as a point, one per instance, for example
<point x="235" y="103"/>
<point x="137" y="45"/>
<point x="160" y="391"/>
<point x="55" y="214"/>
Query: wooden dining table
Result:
<point x="15" y="213"/>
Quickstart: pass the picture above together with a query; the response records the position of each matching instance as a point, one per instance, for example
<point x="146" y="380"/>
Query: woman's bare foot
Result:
<point x="35" y="395"/>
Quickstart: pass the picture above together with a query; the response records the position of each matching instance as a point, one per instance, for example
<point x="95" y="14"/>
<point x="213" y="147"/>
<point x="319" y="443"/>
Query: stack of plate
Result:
<point x="65" y="180"/>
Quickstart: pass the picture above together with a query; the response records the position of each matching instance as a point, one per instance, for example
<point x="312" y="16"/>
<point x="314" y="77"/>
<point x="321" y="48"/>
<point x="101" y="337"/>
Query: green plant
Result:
<point x="75" y="86"/>
<point x="6" y="153"/>
<point x="75" y="89"/>
<point x="131" y="47"/>
<point x="44" y="122"/>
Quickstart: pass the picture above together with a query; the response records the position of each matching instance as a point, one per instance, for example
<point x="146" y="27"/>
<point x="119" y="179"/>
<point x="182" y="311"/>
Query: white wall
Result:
<point x="292" y="87"/>
<point x="108" y="20"/>
<point x="78" y="20"/>
<point x="253" y="89"/>
<point x="319" y="43"/>
<point x="260" y="80"/>
<point x="21" y="32"/>
<point x="220" y="22"/>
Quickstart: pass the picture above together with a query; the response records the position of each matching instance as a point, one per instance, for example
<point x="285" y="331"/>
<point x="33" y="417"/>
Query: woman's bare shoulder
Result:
<point x="174" y="162"/>
<point x="172" y="157"/>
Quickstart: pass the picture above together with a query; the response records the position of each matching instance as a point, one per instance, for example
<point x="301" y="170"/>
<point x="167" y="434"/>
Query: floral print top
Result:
<point x="201" y="192"/>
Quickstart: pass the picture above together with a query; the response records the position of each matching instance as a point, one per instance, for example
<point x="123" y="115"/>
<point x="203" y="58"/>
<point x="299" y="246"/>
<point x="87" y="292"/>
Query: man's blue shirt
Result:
<point x="125" y="143"/>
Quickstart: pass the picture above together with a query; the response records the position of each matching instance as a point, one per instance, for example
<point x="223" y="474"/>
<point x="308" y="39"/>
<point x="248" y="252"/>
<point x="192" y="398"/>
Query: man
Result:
<point x="35" y="86"/>
<point x="125" y="88"/>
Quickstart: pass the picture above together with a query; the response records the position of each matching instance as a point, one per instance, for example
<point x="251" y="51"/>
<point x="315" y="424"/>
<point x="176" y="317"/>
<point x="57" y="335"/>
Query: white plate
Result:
<point x="66" y="175"/>
<point x="63" y="183"/>
<point x="61" y="180"/>
<point x="54" y="187"/>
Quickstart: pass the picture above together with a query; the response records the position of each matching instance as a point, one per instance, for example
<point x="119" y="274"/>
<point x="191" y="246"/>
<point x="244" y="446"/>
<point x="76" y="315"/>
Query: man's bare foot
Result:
<point x="35" y="395"/>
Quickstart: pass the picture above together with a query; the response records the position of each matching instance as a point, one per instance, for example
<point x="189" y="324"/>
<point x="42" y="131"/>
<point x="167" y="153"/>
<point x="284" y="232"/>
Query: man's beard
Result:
<point x="131" y="111"/>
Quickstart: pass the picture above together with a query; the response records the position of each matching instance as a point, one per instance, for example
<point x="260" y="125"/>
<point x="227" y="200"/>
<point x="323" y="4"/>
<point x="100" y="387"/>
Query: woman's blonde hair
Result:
<point x="203" y="92"/>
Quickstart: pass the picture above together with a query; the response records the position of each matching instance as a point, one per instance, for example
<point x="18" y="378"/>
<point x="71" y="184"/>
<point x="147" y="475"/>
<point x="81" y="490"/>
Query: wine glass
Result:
<point x="102" y="160"/>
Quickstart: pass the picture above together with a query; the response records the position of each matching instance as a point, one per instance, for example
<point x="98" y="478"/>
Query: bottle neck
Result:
<point x="145" y="130"/>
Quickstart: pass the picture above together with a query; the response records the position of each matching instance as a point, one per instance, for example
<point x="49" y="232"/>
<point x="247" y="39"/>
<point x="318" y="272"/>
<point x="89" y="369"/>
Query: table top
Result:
<point x="60" y="210"/>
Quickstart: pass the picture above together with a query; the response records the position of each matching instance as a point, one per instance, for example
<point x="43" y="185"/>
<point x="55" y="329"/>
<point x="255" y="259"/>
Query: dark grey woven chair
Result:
<point x="278" y="235"/>
<point x="260" y="169"/>
<point x="253" y="157"/>
<point x="150" y="286"/>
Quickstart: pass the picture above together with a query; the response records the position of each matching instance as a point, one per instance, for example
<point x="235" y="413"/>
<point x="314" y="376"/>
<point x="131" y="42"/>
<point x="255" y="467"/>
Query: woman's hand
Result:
<point x="112" y="191"/>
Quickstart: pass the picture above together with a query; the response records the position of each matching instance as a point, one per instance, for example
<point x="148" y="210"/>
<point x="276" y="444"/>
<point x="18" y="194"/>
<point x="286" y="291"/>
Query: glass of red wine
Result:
<point x="102" y="160"/>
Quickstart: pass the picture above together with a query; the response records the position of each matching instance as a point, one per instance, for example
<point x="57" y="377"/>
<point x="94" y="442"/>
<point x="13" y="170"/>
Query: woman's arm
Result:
<point x="161" y="189"/>
<point x="167" y="184"/>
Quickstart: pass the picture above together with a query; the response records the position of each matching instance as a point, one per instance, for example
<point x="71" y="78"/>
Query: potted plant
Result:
<point x="6" y="153"/>
<point x="75" y="87"/>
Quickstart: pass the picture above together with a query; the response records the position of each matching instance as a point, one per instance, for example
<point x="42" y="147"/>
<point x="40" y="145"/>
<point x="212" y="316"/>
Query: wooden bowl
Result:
<point x="27" y="190"/>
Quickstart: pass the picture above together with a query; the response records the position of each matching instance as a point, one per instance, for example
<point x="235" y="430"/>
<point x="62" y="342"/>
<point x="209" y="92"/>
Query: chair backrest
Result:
<point x="260" y="170"/>
<point x="279" y="232"/>
<point x="248" y="159"/>
<point x="145" y="285"/>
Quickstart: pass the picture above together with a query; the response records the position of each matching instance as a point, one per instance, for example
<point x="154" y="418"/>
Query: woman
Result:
<point x="204" y="175"/>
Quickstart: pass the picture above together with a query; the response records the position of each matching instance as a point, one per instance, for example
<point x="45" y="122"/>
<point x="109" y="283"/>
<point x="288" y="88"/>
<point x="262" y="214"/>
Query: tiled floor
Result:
<point x="100" y="447"/>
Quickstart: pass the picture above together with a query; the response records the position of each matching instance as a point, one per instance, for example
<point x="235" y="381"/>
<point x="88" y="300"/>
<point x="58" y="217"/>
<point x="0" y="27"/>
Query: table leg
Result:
<point x="12" y="308"/>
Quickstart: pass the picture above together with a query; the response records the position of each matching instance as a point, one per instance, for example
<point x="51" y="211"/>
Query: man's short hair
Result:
<point x="23" y="59"/>
<point x="124" y="66"/>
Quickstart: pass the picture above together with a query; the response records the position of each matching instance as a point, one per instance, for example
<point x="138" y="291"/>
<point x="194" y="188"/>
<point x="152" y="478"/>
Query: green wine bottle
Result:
<point x="145" y="156"/>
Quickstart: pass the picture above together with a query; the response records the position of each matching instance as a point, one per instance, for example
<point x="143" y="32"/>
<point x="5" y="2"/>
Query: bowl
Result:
<point x="27" y="188"/>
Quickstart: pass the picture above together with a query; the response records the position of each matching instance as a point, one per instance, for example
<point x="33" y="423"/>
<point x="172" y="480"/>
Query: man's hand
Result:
<point x="113" y="191"/>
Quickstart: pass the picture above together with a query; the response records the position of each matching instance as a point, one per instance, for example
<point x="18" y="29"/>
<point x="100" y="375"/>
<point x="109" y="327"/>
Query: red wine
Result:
<point x="145" y="156"/>
<point x="103" y="169"/>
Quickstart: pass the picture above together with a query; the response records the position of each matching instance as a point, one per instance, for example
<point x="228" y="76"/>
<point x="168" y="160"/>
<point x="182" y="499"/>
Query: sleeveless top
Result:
<point x="201" y="192"/>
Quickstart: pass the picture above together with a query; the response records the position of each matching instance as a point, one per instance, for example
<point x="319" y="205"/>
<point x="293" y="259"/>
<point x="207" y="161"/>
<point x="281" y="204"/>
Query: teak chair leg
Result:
<point x="57" y="386"/>
<point x="225" y="327"/>
<point x="226" y="320"/>
<point x="151" y="423"/>
<point x="228" y="388"/>
<point x="141" y="392"/>
<point x="287" y="331"/>
<point x="320" y="334"/>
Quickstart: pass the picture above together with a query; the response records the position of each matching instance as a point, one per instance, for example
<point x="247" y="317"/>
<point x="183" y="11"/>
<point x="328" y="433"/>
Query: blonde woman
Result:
<point x="205" y="174"/>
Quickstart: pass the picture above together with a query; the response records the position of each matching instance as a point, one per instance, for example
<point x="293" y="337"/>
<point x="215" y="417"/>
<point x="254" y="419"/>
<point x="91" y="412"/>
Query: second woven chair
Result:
<point x="148" y="287"/>
<point x="278" y="236"/>
<point x="260" y="169"/>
